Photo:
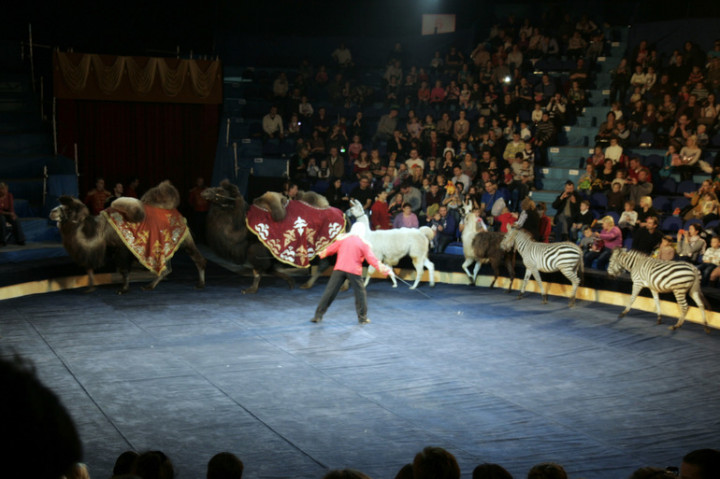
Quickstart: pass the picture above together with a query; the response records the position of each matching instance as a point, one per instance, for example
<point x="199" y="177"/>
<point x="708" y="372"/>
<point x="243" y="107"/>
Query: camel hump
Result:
<point x="132" y="209"/>
<point x="164" y="196"/>
<point x="313" y="199"/>
<point x="274" y="203"/>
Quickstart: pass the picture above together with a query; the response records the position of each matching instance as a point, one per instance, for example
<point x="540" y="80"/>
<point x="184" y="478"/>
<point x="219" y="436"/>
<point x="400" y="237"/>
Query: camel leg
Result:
<point x="322" y="266"/>
<point x="286" y="277"/>
<point x="153" y="284"/>
<point x="91" y="281"/>
<point x="256" y="282"/>
<point x="510" y="265"/>
<point x="635" y="292"/>
<point x="431" y="271"/>
<point x="198" y="259"/>
<point x="656" y="297"/>
<point x="125" y="272"/>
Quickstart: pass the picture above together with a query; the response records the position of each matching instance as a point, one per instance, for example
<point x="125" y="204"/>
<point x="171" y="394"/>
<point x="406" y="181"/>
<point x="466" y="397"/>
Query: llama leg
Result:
<point x="465" y="265"/>
<point x="476" y="270"/>
<point x="681" y="299"/>
<point x="256" y="282"/>
<point x="418" y="272"/>
<point x="635" y="292"/>
<point x="656" y="298"/>
<point x="431" y="271"/>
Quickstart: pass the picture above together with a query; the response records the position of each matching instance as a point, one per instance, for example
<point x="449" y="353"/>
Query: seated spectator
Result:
<point x="583" y="218"/>
<point x="701" y="464"/>
<point x="490" y="471"/>
<point x="124" y="465"/>
<point x="567" y="205"/>
<point x="606" y="240"/>
<point x="445" y="227"/>
<point x="336" y="196"/>
<point x="363" y="193"/>
<point x="690" y="244"/>
<point x="696" y="208"/>
<point x="645" y="211"/>
<point x="652" y="473"/>
<point x="666" y="250"/>
<point x="406" y="219"/>
<point x="380" y="213"/>
<point x="647" y="238"/>
<point x="386" y="126"/>
<point x="710" y="260"/>
<point x="545" y="222"/>
<point x="628" y="219"/>
<point x="435" y="463"/>
<point x="614" y="152"/>
<point x="586" y="240"/>
<point x="689" y="158"/>
<point x="638" y="187"/>
<point x="671" y="160"/>
<point x="272" y="125"/>
<point x="547" y="470"/>
<point x="506" y="219"/>
<point x="8" y="216"/>
<point x="95" y="198"/>
<point x="224" y="465"/>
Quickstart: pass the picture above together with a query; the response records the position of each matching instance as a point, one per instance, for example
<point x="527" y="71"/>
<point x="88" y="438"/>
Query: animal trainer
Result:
<point x="351" y="250"/>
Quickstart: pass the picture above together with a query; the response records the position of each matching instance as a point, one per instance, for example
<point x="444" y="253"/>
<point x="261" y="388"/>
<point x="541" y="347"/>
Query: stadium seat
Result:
<point x="693" y="221"/>
<point x="653" y="161"/>
<point x="598" y="200"/>
<point x="671" y="224"/>
<point x="662" y="204"/>
<point x="667" y="186"/>
<point x="455" y="248"/>
<point x="679" y="202"/>
<point x="711" y="225"/>
<point x="627" y="244"/>
<point x="686" y="186"/>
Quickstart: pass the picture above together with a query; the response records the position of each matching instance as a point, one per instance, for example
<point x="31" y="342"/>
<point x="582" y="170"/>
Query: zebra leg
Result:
<point x="635" y="292"/>
<point x="681" y="298"/>
<point x="538" y="280"/>
<point x="525" y="281"/>
<point x="656" y="297"/>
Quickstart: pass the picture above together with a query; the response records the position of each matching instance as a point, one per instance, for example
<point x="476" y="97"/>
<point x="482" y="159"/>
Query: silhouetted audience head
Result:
<point x="345" y="474"/>
<point x="547" y="470"/>
<point x="652" y="473"/>
<point x="405" y="472"/>
<point x="154" y="465"/>
<point x="124" y="464"/>
<point x="35" y="424"/>
<point x="225" y="465"/>
<point x="435" y="463"/>
<point x="491" y="471"/>
<point x="701" y="464"/>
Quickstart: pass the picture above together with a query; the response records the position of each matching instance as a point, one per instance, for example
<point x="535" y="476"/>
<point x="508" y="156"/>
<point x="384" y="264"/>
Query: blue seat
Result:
<point x="712" y="224"/>
<point x="671" y="224"/>
<point x="686" y="186"/>
<point x="615" y="216"/>
<point x="455" y="248"/>
<point x="598" y="201"/>
<point x="662" y="203"/>
<point x="679" y="202"/>
<point x="320" y="186"/>
<point x="693" y="221"/>
<point x="654" y="161"/>
<point x="627" y="244"/>
<point x="667" y="186"/>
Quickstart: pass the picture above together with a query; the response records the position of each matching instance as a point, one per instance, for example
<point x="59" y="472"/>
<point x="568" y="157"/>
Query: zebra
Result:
<point x="660" y="276"/>
<point x="538" y="257"/>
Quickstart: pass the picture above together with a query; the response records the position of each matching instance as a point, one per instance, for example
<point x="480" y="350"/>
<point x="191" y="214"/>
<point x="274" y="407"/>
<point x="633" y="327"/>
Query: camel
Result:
<point x="390" y="246"/>
<point x="229" y="237"/>
<point x="87" y="238"/>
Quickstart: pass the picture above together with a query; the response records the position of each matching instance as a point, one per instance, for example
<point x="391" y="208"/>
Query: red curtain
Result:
<point x="153" y="141"/>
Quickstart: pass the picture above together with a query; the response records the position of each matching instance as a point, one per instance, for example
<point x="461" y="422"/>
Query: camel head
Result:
<point x="273" y="202"/>
<point x="227" y="195"/>
<point x="69" y="210"/>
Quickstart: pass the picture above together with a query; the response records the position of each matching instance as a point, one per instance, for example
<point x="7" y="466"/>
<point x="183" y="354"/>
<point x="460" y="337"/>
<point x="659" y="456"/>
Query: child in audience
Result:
<point x="628" y="219"/>
<point x="666" y="251"/>
<point x="586" y="241"/>
<point x="615" y="197"/>
<point x="506" y="219"/>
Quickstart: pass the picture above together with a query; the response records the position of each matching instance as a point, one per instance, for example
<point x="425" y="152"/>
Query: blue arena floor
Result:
<point x="473" y="370"/>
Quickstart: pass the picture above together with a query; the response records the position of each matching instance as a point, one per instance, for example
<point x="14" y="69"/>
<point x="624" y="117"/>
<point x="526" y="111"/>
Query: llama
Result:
<point x="390" y="246"/>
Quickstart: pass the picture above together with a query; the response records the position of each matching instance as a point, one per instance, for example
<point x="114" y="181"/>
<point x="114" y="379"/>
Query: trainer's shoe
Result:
<point x="316" y="320"/>
<point x="363" y="321"/>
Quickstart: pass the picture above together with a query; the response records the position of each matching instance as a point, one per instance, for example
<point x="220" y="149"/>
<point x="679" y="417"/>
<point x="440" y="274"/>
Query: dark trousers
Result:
<point x="14" y="226"/>
<point x="337" y="278"/>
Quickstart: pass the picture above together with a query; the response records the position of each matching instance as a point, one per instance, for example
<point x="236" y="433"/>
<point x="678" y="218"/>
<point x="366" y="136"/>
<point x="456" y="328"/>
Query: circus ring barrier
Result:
<point x="669" y="308"/>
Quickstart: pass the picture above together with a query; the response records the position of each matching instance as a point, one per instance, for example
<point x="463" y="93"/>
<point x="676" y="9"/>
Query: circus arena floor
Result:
<point x="470" y="369"/>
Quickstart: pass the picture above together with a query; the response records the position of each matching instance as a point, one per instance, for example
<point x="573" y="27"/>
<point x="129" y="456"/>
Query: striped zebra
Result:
<point x="539" y="257"/>
<point x="660" y="276"/>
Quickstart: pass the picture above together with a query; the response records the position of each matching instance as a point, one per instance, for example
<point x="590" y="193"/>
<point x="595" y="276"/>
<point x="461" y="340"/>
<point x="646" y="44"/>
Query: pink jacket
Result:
<point x="351" y="251"/>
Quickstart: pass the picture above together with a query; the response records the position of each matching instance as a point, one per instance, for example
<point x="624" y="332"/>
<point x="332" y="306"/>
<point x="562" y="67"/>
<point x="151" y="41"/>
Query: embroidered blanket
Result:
<point x="153" y="241"/>
<point x="301" y="235"/>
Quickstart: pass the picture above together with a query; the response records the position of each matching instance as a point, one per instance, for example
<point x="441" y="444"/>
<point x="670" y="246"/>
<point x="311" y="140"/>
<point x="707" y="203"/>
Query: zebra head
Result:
<point x="615" y="266"/>
<point x="508" y="241"/>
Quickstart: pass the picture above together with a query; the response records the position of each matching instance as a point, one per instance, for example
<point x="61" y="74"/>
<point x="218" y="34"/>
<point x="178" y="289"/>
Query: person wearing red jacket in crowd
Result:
<point x="380" y="213"/>
<point x="351" y="250"/>
<point x="8" y="216"/>
<point x="96" y="198"/>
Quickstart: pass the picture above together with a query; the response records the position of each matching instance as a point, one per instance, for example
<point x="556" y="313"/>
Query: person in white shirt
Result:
<point x="272" y="124"/>
<point x="614" y="151"/>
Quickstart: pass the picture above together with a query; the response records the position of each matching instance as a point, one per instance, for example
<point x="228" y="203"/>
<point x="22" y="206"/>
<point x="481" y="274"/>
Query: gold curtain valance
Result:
<point x="120" y="78"/>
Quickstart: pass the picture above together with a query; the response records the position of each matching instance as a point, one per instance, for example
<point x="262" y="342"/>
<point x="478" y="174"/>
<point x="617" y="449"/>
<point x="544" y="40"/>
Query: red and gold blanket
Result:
<point x="154" y="240"/>
<point x="301" y="235"/>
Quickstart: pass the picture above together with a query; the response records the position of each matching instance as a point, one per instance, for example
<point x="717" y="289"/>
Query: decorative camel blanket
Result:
<point x="154" y="240"/>
<point x="301" y="235"/>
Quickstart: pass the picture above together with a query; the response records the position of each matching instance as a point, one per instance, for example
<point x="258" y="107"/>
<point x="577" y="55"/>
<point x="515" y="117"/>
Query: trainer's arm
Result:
<point x="373" y="261"/>
<point x="330" y="250"/>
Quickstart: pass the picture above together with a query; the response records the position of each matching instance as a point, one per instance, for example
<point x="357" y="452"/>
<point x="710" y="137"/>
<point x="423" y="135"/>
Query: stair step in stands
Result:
<point x="568" y="156"/>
